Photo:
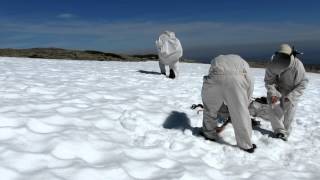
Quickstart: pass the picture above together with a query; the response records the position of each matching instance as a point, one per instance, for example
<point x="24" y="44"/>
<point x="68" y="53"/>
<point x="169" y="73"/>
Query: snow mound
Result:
<point x="118" y="121"/>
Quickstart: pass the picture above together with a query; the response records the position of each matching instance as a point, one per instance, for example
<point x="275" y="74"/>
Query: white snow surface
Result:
<point x="80" y="120"/>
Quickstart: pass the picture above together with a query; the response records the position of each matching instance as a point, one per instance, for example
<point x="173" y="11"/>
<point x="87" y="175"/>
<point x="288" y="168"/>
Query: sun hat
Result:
<point x="285" y="49"/>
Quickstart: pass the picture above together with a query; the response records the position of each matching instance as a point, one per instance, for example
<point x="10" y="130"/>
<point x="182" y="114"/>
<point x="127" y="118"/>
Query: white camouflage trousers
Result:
<point x="232" y="90"/>
<point x="173" y="66"/>
<point x="283" y="115"/>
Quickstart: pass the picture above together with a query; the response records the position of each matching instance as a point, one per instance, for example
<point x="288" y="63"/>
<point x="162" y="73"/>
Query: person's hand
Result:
<point x="220" y="129"/>
<point x="274" y="99"/>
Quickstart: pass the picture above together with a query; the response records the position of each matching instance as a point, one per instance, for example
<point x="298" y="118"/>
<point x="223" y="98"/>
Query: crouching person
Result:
<point x="229" y="82"/>
<point x="169" y="51"/>
<point x="285" y="80"/>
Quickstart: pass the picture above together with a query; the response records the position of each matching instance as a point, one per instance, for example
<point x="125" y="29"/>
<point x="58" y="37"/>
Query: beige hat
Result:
<point x="285" y="49"/>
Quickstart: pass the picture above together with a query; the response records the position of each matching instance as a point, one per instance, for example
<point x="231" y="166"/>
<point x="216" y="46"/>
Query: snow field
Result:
<point x="74" y="120"/>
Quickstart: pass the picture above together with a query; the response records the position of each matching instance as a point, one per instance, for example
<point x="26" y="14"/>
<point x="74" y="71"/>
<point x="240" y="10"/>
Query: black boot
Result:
<point x="172" y="75"/>
<point x="255" y="123"/>
<point x="251" y="150"/>
<point x="282" y="136"/>
<point x="205" y="137"/>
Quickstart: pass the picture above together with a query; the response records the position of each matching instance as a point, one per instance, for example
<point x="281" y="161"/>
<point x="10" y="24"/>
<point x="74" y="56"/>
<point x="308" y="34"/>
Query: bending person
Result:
<point x="285" y="80"/>
<point x="169" y="51"/>
<point x="229" y="82"/>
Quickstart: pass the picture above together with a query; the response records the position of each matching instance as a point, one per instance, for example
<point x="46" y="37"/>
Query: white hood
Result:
<point x="169" y="47"/>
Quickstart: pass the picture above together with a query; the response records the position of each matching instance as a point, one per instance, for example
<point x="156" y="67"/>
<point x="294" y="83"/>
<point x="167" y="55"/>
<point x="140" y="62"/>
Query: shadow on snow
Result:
<point x="149" y="72"/>
<point x="180" y="121"/>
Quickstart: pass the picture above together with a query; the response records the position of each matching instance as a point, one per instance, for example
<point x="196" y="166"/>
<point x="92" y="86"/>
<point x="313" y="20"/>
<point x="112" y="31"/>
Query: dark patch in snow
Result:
<point x="149" y="72"/>
<point x="177" y="120"/>
<point x="264" y="131"/>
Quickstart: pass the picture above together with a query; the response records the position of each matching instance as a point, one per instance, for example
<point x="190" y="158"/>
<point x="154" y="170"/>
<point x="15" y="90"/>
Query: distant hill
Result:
<point x="57" y="53"/>
<point x="315" y="68"/>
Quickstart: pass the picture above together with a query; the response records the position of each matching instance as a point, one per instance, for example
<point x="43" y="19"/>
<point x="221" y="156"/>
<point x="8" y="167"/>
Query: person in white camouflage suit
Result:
<point x="169" y="51"/>
<point x="285" y="81"/>
<point x="230" y="83"/>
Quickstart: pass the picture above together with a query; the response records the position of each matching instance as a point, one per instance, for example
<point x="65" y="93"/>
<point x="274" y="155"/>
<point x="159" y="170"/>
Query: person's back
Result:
<point x="231" y="65"/>
<point x="228" y="64"/>
<point x="169" y="48"/>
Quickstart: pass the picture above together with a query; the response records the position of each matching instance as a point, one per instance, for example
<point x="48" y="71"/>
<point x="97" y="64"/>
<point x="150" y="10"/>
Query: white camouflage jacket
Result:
<point x="289" y="82"/>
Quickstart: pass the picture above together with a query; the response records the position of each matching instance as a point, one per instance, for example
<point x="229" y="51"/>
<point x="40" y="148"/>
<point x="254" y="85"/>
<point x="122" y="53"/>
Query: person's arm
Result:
<point x="158" y="45"/>
<point x="270" y="80"/>
<point x="250" y="79"/>
<point x="301" y="82"/>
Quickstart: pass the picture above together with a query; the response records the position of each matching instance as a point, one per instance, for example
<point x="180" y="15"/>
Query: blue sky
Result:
<point x="206" y="28"/>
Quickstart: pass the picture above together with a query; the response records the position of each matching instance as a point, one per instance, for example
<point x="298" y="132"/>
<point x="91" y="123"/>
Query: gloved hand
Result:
<point x="274" y="99"/>
<point x="286" y="99"/>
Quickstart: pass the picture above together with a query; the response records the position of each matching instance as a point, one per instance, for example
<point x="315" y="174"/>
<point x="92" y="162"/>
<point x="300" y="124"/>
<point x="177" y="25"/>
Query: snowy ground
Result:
<point x="80" y="120"/>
